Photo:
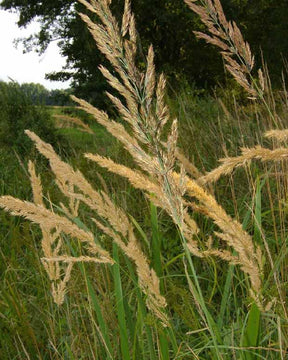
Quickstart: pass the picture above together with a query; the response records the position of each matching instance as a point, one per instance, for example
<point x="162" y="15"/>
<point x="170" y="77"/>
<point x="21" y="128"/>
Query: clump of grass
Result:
<point x="173" y="184"/>
<point x="147" y="122"/>
<point x="67" y="121"/>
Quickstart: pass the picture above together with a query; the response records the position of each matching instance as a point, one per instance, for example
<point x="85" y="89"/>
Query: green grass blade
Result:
<point x="120" y="306"/>
<point x="225" y="297"/>
<point x="156" y="243"/>
<point x="197" y="293"/>
<point x="141" y="232"/>
<point x="143" y="312"/>
<point x="157" y="266"/>
<point x="229" y="278"/>
<point x="102" y="325"/>
<point x="258" y="211"/>
<point x="96" y="307"/>
<point x="252" y="331"/>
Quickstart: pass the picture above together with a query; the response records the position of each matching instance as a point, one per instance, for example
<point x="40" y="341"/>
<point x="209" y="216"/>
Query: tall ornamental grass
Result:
<point x="129" y="304"/>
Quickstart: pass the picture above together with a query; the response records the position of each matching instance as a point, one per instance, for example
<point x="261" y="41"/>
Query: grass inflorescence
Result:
<point x="197" y="267"/>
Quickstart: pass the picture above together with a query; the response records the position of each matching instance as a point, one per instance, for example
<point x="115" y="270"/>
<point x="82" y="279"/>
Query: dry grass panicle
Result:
<point x="77" y="189"/>
<point x="161" y="168"/>
<point x="53" y="226"/>
<point x="248" y="154"/>
<point x="170" y="181"/>
<point x="278" y="135"/>
<point x="226" y="35"/>
<point x="68" y="121"/>
<point x="142" y="105"/>
<point x="146" y="113"/>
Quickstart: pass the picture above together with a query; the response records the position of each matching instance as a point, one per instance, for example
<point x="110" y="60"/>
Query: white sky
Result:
<point x="28" y="67"/>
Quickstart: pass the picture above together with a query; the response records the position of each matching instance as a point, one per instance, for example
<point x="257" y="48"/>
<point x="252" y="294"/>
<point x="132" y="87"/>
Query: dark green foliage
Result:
<point x="59" y="98"/>
<point x="169" y="25"/>
<point x="17" y="113"/>
<point x="39" y="95"/>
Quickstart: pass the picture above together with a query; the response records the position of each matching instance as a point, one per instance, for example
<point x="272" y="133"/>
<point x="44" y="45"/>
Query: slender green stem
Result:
<point x="120" y="306"/>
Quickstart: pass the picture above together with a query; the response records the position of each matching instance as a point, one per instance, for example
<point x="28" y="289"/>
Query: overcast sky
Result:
<point x="26" y="67"/>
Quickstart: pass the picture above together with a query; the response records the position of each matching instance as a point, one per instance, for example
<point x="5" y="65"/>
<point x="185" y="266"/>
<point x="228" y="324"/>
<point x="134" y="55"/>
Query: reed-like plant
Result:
<point x="166" y="178"/>
<point x="143" y="108"/>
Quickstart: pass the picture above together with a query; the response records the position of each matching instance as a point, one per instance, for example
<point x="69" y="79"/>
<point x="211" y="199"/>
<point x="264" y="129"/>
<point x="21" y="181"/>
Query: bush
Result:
<point x="17" y="113"/>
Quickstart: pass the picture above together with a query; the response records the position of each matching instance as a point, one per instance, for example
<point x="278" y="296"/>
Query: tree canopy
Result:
<point x="18" y="112"/>
<point x="168" y="25"/>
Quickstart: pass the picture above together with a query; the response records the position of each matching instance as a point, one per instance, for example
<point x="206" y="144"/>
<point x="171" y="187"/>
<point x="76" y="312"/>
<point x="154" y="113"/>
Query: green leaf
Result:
<point x="120" y="306"/>
<point x="251" y="334"/>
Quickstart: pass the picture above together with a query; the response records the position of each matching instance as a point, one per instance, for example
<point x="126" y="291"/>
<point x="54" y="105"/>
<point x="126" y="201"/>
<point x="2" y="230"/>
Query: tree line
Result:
<point x="37" y="94"/>
<point x="169" y="25"/>
<point x="18" y="111"/>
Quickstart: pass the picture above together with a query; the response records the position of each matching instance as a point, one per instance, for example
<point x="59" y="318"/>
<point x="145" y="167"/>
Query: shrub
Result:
<point x="17" y="113"/>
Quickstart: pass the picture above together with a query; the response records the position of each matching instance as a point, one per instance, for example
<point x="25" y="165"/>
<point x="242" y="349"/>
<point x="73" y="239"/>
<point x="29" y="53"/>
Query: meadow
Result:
<point x="157" y="231"/>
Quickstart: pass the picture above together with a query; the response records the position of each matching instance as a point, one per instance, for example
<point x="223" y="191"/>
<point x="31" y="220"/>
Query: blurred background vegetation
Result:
<point x="168" y="25"/>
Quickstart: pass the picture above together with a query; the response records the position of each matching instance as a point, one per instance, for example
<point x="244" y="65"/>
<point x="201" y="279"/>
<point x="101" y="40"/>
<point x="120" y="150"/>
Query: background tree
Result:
<point x="37" y="93"/>
<point x="168" y="24"/>
<point x="18" y="113"/>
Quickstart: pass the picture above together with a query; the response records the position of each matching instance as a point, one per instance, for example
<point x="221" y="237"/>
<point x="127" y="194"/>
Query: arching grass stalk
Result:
<point x="195" y="287"/>
<point x="235" y="51"/>
<point x="145" y="118"/>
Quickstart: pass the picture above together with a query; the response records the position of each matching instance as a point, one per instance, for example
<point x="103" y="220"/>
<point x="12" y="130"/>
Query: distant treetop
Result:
<point x="168" y="24"/>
